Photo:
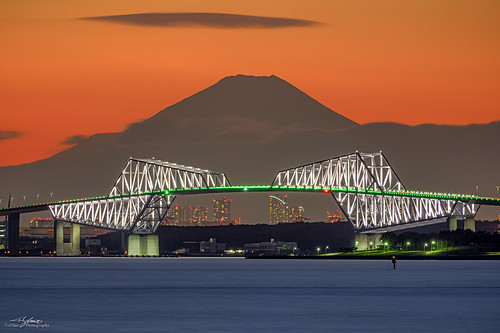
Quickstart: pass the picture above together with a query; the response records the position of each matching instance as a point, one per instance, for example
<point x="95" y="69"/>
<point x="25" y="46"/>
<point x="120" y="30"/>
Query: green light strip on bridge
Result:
<point x="262" y="188"/>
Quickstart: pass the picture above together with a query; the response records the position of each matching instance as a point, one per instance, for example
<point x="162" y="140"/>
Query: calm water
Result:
<point x="238" y="295"/>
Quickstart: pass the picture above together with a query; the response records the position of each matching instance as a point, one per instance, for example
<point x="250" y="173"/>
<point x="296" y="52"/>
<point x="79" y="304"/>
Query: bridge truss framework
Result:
<point x="140" y="198"/>
<point x="374" y="195"/>
<point x="364" y="185"/>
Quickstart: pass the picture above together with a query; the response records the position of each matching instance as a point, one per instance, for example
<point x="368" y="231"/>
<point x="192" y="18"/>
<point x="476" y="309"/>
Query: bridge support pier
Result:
<point x="71" y="248"/>
<point x="470" y="224"/>
<point x="143" y="245"/>
<point x="13" y="234"/>
<point x="452" y="223"/>
<point x="367" y="241"/>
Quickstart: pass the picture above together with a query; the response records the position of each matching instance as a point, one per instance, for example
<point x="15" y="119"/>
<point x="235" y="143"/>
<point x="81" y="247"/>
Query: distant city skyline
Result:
<point x="280" y="211"/>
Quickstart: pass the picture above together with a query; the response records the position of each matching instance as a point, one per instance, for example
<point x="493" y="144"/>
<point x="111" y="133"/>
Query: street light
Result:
<point x="318" y="249"/>
<point x="407" y="244"/>
<point x="432" y="247"/>
<point x="425" y="246"/>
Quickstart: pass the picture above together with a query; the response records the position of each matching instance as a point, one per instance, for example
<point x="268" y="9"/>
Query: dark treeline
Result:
<point x="444" y="240"/>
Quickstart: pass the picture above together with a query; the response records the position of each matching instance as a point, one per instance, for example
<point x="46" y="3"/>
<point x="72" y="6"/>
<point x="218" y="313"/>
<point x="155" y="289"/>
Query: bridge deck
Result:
<point x="265" y="188"/>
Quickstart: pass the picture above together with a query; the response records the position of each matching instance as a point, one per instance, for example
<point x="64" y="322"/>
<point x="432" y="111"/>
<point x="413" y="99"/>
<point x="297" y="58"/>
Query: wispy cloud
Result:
<point x="7" y="135"/>
<point x="210" y="20"/>
<point x="74" y="140"/>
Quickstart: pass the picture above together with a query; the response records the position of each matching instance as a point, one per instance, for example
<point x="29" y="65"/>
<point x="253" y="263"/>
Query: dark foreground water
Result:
<point x="238" y="295"/>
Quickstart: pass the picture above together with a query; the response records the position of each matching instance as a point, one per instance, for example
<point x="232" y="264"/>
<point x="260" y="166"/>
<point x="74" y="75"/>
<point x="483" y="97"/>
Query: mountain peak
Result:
<point x="242" y="78"/>
<point x="245" y="108"/>
<point x="245" y="76"/>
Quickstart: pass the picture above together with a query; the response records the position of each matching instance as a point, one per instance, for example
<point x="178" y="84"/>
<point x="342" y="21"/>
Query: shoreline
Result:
<point x="383" y="257"/>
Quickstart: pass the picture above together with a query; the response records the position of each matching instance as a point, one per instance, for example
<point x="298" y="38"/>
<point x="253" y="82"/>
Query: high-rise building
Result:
<point x="200" y="215"/>
<point x="222" y="211"/>
<point x="295" y="214"/>
<point x="3" y="232"/>
<point x="281" y="212"/>
<point x="180" y="215"/>
<point x="278" y="209"/>
<point x="173" y="216"/>
<point x="332" y="217"/>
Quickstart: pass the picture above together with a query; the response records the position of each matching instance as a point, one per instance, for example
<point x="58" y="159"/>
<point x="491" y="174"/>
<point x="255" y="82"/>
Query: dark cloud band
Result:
<point x="211" y="20"/>
<point x="75" y="139"/>
<point x="7" y="135"/>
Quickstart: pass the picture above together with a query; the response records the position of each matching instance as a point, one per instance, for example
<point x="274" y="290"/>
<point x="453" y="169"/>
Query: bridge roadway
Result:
<point x="473" y="199"/>
<point x="148" y="244"/>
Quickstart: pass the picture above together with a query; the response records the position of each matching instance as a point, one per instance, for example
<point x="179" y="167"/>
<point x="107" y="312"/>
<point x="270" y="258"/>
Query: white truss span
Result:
<point x="358" y="170"/>
<point x="148" y="175"/>
<point x="141" y="213"/>
<point x="370" y="178"/>
<point x="364" y="185"/>
<point x="139" y="199"/>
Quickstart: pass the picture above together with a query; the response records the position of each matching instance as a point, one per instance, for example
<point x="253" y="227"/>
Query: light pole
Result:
<point x="425" y="246"/>
<point x="326" y="249"/>
<point x="432" y="246"/>
<point x="407" y="244"/>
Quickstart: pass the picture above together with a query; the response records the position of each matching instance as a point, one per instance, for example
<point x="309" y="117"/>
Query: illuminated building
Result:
<point x="189" y="215"/>
<point x="295" y="214"/>
<point x="200" y="215"/>
<point x="172" y="216"/>
<point x="44" y="227"/>
<point x="278" y="209"/>
<point x="281" y="212"/>
<point x="332" y="217"/>
<point x="3" y="233"/>
<point x="222" y="211"/>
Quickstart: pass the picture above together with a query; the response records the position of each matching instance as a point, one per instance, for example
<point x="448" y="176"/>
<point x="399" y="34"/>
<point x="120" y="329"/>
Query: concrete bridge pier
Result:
<point x="367" y="241"/>
<point x="470" y="224"/>
<point x="71" y="248"/>
<point x="13" y="234"/>
<point x="452" y="223"/>
<point x="143" y="245"/>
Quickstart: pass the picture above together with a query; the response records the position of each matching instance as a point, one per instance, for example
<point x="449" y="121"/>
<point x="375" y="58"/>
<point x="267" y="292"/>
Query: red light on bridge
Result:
<point x="326" y="191"/>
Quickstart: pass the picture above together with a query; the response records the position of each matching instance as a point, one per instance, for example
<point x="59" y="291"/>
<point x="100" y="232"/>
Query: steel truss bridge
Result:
<point x="364" y="185"/>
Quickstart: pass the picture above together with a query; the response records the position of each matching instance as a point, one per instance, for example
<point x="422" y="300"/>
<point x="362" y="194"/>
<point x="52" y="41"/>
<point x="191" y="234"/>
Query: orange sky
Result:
<point x="413" y="62"/>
